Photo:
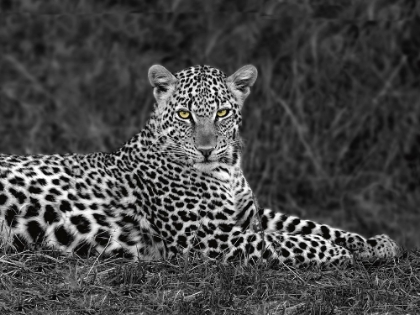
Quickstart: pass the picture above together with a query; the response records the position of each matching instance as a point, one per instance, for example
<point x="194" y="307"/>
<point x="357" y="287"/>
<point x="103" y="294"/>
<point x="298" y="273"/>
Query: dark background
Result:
<point x="332" y="124"/>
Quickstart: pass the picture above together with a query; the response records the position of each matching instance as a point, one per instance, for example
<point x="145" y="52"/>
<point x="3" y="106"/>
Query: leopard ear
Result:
<point x="240" y="82"/>
<point x="163" y="81"/>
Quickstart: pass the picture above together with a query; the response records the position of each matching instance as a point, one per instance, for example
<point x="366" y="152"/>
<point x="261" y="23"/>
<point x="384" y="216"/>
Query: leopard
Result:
<point x="176" y="187"/>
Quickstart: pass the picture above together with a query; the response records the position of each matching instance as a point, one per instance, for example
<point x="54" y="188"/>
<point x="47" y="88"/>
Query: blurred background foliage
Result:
<point x="332" y="124"/>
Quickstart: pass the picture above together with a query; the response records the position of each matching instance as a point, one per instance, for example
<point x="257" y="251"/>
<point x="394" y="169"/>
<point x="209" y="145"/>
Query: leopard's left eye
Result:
<point x="184" y="114"/>
<point x="222" y="112"/>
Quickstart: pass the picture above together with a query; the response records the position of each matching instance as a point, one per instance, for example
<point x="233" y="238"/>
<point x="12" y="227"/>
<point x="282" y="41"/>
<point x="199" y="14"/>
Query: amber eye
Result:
<point x="184" y="114"/>
<point x="222" y="112"/>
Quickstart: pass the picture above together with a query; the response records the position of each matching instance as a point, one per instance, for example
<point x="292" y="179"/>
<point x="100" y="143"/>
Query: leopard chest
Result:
<point x="181" y="202"/>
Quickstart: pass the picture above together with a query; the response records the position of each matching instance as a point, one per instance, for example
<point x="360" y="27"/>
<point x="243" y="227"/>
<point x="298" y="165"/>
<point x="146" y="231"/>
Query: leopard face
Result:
<point x="200" y="113"/>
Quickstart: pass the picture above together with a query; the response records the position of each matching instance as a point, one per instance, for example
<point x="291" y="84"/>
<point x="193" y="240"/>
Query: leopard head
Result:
<point x="199" y="113"/>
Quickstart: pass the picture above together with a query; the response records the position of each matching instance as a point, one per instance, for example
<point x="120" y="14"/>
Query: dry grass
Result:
<point x="46" y="283"/>
<point x="331" y="130"/>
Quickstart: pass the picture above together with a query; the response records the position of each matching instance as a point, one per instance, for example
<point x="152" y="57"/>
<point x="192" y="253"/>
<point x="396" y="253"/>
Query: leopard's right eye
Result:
<point x="184" y="114"/>
<point x="222" y="113"/>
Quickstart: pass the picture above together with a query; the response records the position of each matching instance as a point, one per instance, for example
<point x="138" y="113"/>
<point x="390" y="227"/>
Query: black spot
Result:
<point x="236" y="233"/>
<point x="209" y="214"/>
<point x="216" y="203"/>
<point x="65" y="179"/>
<point x="50" y="215"/>
<point x="201" y="234"/>
<point x="224" y="247"/>
<point x="54" y="191"/>
<point x="213" y="243"/>
<point x="285" y="252"/>
<point x="42" y="182"/>
<point x="372" y="242"/>
<point x="279" y="225"/>
<point x="80" y="206"/>
<point x="222" y="237"/>
<point x="302" y="245"/>
<point x="182" y="241"/>
<point x="308" y="228"/>
<point x="50" y="198"/>
<point x="98" y="194"/>
<point x="32" y="211"/>
<point x="124" y="191"/>
<point x="267" y="254"/>
<point x="289" y="244"/>
<point x="35" y="230"/>
<point x="178" y="226"/>
<point x="18" y="181"/>
<point x="226" y="227"/>
<point x="179" y="204"/>
<point x="252" y="238"/>
<point x="63" y="236"/>
<point x="82" y="224"/>
<point x="237" y="241"/>
<point x="203" y="185"/>
<point x="294" y="239"/>
<point x="264" y="222"/>
<point x="100" y="219"/>
<point x="292" y="225"/>
<point x="3" y="199"/>
<point x="102" y="237"/>
<point x="11" y="216"/>
<point x="46" y="170"/>
<point x="65" y="206"/>
<point x="214" y="254"/>
<point x="249" y="248"/>
<point x="20" y="196"/>
<point x="325" y="232"/>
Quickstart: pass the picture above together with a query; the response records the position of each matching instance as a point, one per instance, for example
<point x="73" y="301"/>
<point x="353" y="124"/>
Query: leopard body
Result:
<point x="175" y="187"/>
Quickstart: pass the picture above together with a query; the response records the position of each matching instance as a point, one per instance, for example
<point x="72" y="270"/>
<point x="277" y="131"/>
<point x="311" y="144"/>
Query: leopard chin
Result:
<point x="206" y="166"/>
<point x="221" y="171"/>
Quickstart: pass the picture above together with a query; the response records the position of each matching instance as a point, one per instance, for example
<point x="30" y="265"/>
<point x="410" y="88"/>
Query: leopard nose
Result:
<point x="206" y="151"/>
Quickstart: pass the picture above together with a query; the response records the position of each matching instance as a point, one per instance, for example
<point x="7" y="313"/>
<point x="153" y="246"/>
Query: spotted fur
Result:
<point x="175" y="187"/>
